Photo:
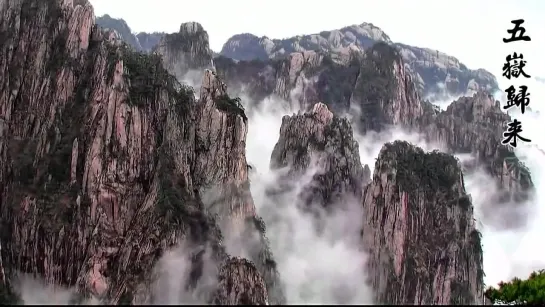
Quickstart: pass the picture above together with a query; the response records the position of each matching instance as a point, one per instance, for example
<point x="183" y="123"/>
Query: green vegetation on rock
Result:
<point x="120" y="26"/>
<point x="475" y="238"/>
<point x="376" y="83"/>
<point x="529" y="291"/>
<point x="416" y="168"/>
<point x="230" y="105"/>
<point x="184" y="41"/>
<point x="377" y="79"/>
<point x="513" y="163"/>
<point x="146" y="76"/>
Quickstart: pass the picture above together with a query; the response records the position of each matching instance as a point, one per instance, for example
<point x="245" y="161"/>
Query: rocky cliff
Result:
<point x="120" y="26"/>
<point x="418" y="224"/>
<point x="474" y="125"/>
<point x="148" y="41"/>
<point x="379" y="91"/>
<point x="374" y="84"/>
<point x="432" y="69"/>
<point x="419" y="230"/>
<point x="105" y="162"/>
<point x="186" y="50"/>
<point x="321" y="141"/>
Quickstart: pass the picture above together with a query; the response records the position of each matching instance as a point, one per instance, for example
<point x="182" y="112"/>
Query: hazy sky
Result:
<point x="471" y="30"/>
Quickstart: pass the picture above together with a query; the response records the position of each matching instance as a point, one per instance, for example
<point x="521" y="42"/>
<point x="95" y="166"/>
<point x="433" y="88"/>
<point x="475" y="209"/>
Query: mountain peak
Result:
<point x="191" y="28"/>
<point x="433" y="71"/>
<point x="408" y="181"/>
<point x="373" y="32"/>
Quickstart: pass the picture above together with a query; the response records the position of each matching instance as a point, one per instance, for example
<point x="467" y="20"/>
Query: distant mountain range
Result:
<point x="436" y="73"/>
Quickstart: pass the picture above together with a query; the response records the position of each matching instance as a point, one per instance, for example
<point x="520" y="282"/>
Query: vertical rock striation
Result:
<point x="419" y="230"/>
<point x="475" y="125"/>
<point x="418" y="225"/>
<point x="319" y="142"/>
<point x="103" y="162"/>
<point x="435" y="73"/>
<point x="186" y="50"/>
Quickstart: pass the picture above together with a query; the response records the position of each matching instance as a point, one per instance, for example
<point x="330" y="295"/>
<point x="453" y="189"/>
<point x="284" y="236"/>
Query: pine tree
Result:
<point x="530" y="291"/>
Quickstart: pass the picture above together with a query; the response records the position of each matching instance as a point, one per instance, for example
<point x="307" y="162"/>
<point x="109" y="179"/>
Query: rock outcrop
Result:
<point x="142" y="41"/>
<point x="186" y="50"/>
<point x="148" y="41"/>
<point x="379" y="91"/>
<point x="435" y="72"/>
<point x="381" y="86"/>
<point x="321" y="143"/>
<point x="419" y="230"/>
<point x="123" y="31"/>
<point x="240" y="284"/>
<point x="102" y="167"/>
<point x="418" y="224"/>
<point x="247" y="47"/>
<point x="474" y="125"/>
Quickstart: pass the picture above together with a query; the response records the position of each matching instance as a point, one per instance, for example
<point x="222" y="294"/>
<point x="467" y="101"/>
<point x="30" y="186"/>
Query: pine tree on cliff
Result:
<point x="530" y="291"/>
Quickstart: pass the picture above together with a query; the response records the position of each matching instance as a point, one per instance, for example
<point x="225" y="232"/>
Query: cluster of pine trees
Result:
<point x="530" y="291"/>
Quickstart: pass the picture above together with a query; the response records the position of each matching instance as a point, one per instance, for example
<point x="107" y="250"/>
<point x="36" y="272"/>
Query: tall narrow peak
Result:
<point x="189" y="49"/>
<point x="435" y="258"/>
<point x="319" y="142"/>
<point x="220" y="162"/>
<point x="318" y="187"/>
<point x="221" y="173"/>
<point x="419" y="230"/>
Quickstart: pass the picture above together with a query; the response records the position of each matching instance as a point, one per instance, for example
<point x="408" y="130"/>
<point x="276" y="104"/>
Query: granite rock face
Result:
<point x="107" y="161"/>
<point x="474" y="125"/>
<point x="418" y="225"/>
<point x="123" y="31"/>
<point x="435" y="72"/>
<point x="148" y="41"/>
<point x="240" y="284"/>
<point x="419" y="230"/>
<point x="99" y="179"/>
<point x="186" y="50"/>
<point x="320" y="140"/>
<point x="379" y="91"/>
<point x="375" y="85"/>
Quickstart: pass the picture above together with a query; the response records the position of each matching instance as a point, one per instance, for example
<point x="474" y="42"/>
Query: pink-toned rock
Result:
<point x="105" y="158"/>
<point x="419" y="230"/>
